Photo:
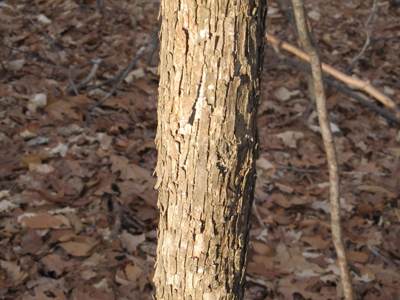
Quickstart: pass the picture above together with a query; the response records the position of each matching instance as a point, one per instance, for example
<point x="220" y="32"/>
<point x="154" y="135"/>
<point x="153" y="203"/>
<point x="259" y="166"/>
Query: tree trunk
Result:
<point x="211" y="60"/>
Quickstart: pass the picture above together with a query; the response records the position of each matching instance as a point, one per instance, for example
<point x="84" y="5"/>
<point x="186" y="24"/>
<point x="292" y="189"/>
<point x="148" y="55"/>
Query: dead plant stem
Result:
<point x="310" y="47"/>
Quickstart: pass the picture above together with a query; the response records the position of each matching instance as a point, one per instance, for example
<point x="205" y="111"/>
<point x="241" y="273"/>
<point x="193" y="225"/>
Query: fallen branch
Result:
<point x="365" y="86"/>
<point x="346" y="91"/>
<point x="334" y="188"/>
<point x="294" y="169"/>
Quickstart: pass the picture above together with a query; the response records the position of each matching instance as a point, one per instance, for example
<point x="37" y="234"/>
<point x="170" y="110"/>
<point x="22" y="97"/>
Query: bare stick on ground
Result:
<point x="367" y="41"/>
<point x="310" y="48"/>
<point x="389" y="116"/>
<point x="356" y="82"/>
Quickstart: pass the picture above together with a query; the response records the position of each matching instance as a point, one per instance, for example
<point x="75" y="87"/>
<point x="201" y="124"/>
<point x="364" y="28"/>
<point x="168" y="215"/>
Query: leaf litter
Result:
<point x="77" y="204"/>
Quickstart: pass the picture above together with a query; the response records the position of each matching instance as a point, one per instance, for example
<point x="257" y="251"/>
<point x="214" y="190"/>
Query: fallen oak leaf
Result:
<point x="28" y="158"/>
<point x="317" y="242"/>
<point x="356" y="256"/>
<point x="54" y="263"/>
<point x="39" y="221"/>
<point x="5" y="284"/>
<point x="133" y="273"/>
<point x="290" y="137"/>
<point x="291" y="260"/>
<point x="284" y="188"/>
<point x="288" y="286"/>
<point x="78" y="246"/>
<point x="128" y="171"/>
<point x="13" y="272"/>
<point x="366" y="274"/>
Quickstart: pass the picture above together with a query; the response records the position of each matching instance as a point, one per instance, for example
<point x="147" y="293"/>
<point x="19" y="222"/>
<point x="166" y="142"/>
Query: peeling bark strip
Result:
<point x="211" y="59"/>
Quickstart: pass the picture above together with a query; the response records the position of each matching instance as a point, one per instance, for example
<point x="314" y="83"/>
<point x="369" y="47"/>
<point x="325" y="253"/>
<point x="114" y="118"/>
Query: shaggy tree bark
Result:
<point x="211" y="60"/>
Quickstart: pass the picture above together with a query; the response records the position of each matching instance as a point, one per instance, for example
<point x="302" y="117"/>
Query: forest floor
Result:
<point x="77" y="205"/>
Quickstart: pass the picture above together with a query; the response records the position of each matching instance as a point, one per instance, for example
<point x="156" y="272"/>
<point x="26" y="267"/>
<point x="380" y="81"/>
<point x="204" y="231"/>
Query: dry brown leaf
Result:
<point x="264" y="260"/>
<point x="290" y="138"/>
<point x="130" y="241"/>
<point x="28" y="158"/>
<point x="39" y="221"/>
<point x="144" y="86"/>
<point x="46" y="195"/>
<point x="78" y="248"/>
<point x="281" y="200"/>
<point x="128" y="171"/>
<point x="53" y="263"/>
<point x="366" y="274"/>
<point x="317" y="241"/>
<point x="256" y="269"/>
<point x="356" y="256"/>
<point x="265" y="166"/>
<point x="284" y="188"/>
<point x="291" y="260"/>
<point x="13" y="272"/>
<point x="288" y="286"/>
<point x="77" y="245"/>
<point x="58" y="109"/>
<point x="133" y="273"/>
<point x="261" y="248"/>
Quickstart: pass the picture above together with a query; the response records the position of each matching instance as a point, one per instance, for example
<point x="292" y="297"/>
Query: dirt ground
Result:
<point x="77" y="205"/>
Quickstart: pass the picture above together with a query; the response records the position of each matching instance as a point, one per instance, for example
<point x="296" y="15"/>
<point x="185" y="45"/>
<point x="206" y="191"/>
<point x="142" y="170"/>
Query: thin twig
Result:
<point x="366" y="173"/>
<point x="397" y="213"/>
<point x="32" y="54"/>
<point x="106" y="82"/>
<point x="101" y="6"/>
<point x="126" y="71"/>
<point x="93" y="71"/>
<point x="72" y="82"/>
<point x="388" y="262"/>
<point x="116" y="19"/>
<point x="96" y="63"/>
<point x="51" y="41"/>
<point x="294" y="169"/>
<point x="93" y="163"/>
<point x="260" y="221"/>
<point x="154" y="47"/>
<point x="352" y="80"/>
<point x="310" y="48"/>
<point x="367" y="41"/>
<point x="385" y="38"/>
<point x="3" y="67"/>
<point x="117" y="212"/>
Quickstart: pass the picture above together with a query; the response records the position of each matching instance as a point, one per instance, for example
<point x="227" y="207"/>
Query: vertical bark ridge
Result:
<point x="206" y="139"/>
